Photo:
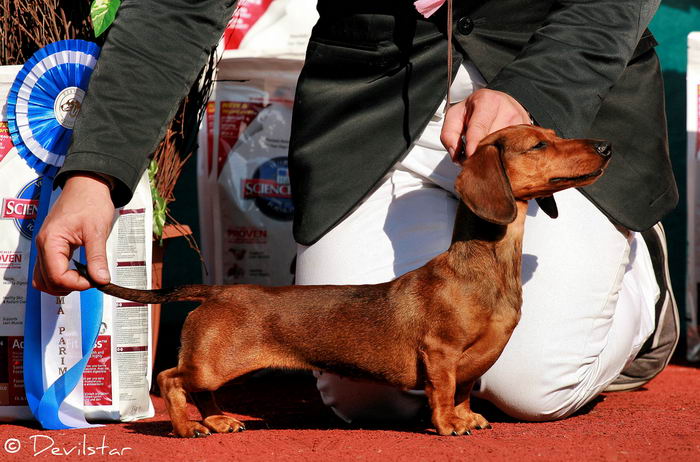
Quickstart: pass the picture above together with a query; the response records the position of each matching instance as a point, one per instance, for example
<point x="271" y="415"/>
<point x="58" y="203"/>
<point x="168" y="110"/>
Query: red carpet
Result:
<point x="286" y="421"/>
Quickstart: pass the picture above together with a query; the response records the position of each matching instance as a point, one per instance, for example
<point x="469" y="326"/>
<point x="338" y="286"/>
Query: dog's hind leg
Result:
<point x="209" y="357"/>
<point x="212" y="416"/>
<point x="173" y="393"/>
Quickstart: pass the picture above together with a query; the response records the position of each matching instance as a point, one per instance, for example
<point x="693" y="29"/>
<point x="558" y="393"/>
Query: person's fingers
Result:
<point x="96" y="257"/>
<point x="52" y="273"/>
<point x="479" y="124"/>
<point x="453" y="129"/>
<point x="38" y="281"/>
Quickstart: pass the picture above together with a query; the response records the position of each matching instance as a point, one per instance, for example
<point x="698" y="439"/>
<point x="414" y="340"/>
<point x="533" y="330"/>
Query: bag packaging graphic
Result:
<point x="273" y="28"/>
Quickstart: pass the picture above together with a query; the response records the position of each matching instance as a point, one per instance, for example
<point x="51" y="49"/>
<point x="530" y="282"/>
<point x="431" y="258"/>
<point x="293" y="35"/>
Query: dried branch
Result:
<point x="180" y="141"/>
<point x="28" y="25"/>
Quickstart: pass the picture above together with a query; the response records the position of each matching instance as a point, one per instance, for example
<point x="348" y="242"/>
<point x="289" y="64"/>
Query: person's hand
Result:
<point x="81" y="216"/>
<point x="483" y="112"/>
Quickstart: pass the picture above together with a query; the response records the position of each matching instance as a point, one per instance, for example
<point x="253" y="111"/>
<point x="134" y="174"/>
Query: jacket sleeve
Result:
<point x="569" y="65"/>
<point x="153" y="52"/>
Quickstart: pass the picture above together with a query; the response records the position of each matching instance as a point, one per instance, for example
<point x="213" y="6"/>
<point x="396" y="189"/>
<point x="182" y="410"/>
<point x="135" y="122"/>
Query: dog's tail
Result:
<point x="191" y="293"/>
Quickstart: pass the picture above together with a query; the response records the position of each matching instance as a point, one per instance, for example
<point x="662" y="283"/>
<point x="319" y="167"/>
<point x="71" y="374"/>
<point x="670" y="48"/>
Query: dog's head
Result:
<point x="526" y="162"/>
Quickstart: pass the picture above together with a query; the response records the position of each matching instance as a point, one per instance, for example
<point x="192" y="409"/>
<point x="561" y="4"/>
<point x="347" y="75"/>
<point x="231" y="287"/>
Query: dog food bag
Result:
<point x="244" y="17"/>
<point x="693" y="156"/>
<point x="272" y="28"/>
<point x="116" y="380"/>
<point x="252" y="210"/>
<point x="235" y="106"/>
<point x="18" y="199"/>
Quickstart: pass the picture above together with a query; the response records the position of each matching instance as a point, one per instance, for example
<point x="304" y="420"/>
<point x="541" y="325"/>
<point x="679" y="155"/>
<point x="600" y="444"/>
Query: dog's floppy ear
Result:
<point x="548" y="206"/>
<point x="484" y="187"/>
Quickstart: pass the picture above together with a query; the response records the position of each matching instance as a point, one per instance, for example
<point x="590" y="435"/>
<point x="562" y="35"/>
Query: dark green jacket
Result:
<point x="374" y="75"/>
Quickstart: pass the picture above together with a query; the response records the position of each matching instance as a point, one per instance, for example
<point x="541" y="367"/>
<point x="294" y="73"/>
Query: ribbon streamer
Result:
<point x="46" y="403"/>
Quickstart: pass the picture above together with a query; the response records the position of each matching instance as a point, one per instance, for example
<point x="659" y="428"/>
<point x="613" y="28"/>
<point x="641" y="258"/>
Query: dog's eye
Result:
<point x="539" y="145"/>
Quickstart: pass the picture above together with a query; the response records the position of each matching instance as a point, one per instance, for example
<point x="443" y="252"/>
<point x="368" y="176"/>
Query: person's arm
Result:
<point x="153" y="53"/>
<point x="563" y="74"/>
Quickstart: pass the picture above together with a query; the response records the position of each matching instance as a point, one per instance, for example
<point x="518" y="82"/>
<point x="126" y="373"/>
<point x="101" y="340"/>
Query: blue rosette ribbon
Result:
<point x="45" y="99"/>
<point x="42" y="106"/>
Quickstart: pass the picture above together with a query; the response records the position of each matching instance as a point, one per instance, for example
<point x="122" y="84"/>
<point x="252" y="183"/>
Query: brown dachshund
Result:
<point x="437" y="328"/>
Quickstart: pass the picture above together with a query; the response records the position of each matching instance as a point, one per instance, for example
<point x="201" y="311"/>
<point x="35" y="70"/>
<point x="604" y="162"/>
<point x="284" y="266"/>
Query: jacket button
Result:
<point x="465" y="25"/>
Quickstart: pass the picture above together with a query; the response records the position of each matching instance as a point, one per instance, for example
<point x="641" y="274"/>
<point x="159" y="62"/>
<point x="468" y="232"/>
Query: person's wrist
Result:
<point x="89" y="187"/>
<point x="90" y="178"/>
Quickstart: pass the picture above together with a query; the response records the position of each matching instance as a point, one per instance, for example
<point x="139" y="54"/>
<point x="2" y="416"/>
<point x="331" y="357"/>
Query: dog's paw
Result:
<point x="191" y="429"/>
<point x="461" y="424"/>
<point x="474" y="421"/>
<point x="453" y="426"/>
<point x="478" y="422"/>
<point x="223" y="424"/>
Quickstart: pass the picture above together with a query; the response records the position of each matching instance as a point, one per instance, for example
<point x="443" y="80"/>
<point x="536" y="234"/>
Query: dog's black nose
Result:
<point x="603" y="148"/>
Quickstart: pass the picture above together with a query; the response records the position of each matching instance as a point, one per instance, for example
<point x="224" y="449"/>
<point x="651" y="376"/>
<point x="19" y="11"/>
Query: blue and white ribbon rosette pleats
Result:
<point x="43" y="104"/>
<point x="45" y="100"/>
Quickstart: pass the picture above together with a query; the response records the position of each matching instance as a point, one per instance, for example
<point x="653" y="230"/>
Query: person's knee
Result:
<point x="362" y="401"/>
<point x="539" y="394"/>
<point x="539" y="405"/>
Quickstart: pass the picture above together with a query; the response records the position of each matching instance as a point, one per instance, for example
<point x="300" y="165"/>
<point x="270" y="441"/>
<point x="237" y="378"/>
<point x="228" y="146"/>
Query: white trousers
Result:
<point x="588" y="290"/>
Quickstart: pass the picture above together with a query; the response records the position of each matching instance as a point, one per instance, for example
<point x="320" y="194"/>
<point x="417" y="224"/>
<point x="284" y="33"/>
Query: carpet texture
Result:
<point x="287" y="422"/>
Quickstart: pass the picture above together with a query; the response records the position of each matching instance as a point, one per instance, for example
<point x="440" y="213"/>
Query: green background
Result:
<point x="674" y="20"/>
<point x="671" y="26"/>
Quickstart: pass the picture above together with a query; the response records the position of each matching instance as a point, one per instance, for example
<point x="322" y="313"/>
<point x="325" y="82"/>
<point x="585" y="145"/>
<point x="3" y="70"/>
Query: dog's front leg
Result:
<point x="440" y="386"/>
<point x="474" y="420"/>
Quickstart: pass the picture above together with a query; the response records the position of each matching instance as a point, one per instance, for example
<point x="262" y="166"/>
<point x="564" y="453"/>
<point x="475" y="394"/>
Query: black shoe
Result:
<point x="658" y="349"/>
